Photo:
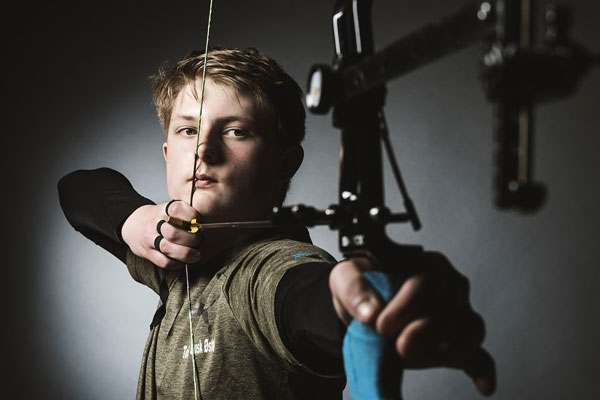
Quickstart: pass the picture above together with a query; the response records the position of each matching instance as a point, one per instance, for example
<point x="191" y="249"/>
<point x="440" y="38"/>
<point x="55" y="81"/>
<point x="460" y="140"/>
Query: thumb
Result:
<point x="353" y="295"/>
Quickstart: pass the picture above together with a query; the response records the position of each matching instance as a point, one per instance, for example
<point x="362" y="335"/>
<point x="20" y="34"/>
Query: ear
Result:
<point x="292" y="158"/>
<point x="164" y="147"/>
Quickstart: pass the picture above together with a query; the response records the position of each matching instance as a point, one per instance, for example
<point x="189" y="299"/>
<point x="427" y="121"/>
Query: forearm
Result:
<point x="96" y="203"/>
<point x="306" y="318"/>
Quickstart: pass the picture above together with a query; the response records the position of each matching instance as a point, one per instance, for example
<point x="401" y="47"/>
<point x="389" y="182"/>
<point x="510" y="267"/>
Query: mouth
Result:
<point x="204" y="181"/>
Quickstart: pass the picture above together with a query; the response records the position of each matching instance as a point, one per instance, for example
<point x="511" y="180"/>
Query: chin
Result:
<point x="210" y="212"/>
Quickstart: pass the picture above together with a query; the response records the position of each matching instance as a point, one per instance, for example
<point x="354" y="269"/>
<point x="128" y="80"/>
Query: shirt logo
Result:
<point x="203" y="346"/>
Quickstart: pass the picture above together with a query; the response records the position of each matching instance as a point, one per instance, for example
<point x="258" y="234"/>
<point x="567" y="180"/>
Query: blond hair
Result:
<point x="248" y="72"/>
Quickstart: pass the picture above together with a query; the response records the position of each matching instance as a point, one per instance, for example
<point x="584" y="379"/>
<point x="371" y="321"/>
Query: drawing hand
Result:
<point x="143" y="229"/>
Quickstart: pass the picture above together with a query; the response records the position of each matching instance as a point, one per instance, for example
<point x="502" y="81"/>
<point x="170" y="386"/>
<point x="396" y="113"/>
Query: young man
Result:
<point x="267" y="306"/>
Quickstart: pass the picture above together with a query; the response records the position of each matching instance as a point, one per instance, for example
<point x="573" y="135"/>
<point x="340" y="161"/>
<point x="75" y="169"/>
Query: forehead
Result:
<point x="190" y="94"/>
<point x="218" y="99"/>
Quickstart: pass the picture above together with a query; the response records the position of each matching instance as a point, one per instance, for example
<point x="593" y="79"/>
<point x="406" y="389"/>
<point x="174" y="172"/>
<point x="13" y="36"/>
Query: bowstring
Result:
<point x="187" y="275"/>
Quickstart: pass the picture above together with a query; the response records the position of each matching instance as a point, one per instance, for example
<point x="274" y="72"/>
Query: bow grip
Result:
<point x="373" y="369"/>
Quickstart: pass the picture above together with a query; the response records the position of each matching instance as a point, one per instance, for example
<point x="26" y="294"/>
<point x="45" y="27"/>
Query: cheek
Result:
<point x="252" y="171"/>
<point x="179" y="164"/>
<point x="264" y="172"/>
<point x="180" y="159"/>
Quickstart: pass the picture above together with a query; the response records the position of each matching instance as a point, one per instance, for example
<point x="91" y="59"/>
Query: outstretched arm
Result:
<point x="430" y="319"/>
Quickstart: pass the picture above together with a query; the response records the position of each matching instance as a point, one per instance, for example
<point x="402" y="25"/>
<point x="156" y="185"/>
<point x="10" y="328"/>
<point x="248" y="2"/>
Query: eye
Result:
<point x="236" y="132"/>
<point x="187" y="132"/>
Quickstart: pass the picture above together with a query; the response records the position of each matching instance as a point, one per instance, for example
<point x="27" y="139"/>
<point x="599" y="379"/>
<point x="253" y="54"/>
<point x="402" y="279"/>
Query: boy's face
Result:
<point x="239" y="170"/>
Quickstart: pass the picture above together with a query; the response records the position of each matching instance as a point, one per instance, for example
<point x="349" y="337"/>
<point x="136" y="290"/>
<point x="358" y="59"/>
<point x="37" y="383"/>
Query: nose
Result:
<point x="207" y="151"/>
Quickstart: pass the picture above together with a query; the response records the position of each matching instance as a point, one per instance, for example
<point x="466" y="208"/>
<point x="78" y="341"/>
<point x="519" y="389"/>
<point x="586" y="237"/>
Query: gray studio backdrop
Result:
<point x="76" y="322"/>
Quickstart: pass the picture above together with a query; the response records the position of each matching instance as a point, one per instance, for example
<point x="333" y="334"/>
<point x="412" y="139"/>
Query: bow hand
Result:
<point x="429" y="318"/>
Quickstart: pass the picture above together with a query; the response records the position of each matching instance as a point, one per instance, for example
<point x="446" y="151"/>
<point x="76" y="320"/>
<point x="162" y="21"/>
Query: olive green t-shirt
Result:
<point x="238" y="351"/>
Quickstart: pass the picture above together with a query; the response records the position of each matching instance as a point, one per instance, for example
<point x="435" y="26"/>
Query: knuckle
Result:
<point x="405" y="344"/>
<point x="161" y="262"/>
<point x="175" y="208"/>
<point x="165" y="247"/>
<point x="185" y="253"/>
<point x="169" y="232"/>
<point x="389" y="324"/>
<point x="401" y="346"/>
<point x="190" y="255"/>
<point x="186" y="211"/>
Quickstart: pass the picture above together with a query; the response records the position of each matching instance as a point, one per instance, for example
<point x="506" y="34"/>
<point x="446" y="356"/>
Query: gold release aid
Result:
<point x="194" y="227"/>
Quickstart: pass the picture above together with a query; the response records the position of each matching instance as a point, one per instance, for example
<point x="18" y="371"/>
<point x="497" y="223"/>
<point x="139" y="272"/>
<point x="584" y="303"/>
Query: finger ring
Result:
<point x="157" y="242"/>
<point x="158" y="226"/>
<point x="167" y="206"/>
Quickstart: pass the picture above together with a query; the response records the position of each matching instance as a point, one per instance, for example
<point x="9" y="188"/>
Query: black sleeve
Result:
<point x="306" y="318"/>
<point x="96" y="203"/>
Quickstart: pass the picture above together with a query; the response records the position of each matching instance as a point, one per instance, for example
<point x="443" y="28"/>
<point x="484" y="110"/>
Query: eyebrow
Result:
<point x="185" y="117"/>
<point x="221" y="120"/>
